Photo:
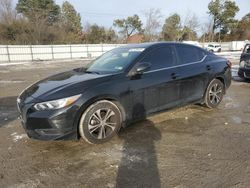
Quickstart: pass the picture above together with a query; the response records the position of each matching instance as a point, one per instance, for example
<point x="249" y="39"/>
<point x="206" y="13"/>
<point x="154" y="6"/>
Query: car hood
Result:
<point x="62" y="85"/>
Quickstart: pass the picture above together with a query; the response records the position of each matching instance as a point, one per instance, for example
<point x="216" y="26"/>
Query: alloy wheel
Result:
<point x="215" y="94"/>
<point x="102" y="123"/>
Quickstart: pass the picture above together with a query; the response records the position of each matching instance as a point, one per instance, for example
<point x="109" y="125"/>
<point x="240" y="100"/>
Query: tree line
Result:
<point x="45" y="22"/>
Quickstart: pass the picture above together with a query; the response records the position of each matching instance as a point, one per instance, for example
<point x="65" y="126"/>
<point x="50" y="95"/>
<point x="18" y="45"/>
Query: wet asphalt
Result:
<point x="187" y="147"/>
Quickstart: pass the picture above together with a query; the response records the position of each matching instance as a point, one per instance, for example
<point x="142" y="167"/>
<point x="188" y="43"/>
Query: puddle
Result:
<point x="230" y="103"/>
<point x="236" y="120"/>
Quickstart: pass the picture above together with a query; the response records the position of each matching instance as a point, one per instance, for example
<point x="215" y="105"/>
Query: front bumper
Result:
<point x="244" y="73"/>
<point x="50" y="124"/>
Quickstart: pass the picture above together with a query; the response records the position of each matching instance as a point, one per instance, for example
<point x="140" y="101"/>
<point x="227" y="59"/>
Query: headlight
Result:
<point x="56" y="104"/>
<point x="242" y="64"/>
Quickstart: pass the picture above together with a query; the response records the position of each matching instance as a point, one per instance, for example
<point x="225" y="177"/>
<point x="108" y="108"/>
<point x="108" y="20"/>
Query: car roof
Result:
<point x="152" y="44"/>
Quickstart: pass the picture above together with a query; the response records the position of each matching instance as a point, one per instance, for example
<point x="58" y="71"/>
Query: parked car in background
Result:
<point x="214" y="47"/>
<point x="123" y="85"/>
<point x="244" y="69"/>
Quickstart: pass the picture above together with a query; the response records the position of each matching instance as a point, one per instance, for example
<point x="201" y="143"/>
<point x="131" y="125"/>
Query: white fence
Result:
<point x="21" y="53"/>
<point x="24" y="53"/>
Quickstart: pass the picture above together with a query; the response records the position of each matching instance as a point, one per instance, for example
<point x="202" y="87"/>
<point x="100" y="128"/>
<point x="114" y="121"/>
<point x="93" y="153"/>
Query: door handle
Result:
<point x="209" y="67"/>
<point x="175" y="76"/>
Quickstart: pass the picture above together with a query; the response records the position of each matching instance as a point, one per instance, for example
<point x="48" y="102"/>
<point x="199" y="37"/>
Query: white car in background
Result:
<point x="214" y="47"/>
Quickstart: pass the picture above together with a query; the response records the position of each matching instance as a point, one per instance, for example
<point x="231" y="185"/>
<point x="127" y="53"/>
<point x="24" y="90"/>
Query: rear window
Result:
<point x="189" y="54"/>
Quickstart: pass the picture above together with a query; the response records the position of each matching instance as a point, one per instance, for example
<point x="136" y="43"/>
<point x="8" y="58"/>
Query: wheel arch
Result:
<point x="93" y="100"/>
<point x="218" y="78"/>
<point x="206" y="101"/>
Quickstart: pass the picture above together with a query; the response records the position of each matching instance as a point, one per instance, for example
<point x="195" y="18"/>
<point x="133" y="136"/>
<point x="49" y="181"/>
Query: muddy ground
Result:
<point x="188" y="147"/>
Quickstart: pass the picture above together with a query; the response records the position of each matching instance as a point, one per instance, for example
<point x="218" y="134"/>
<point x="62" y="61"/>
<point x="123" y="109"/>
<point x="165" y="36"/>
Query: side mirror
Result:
<point x="140" y="69"/>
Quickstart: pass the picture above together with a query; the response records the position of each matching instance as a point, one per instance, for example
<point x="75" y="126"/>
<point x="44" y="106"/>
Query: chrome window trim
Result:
<point x="176" y="66"/>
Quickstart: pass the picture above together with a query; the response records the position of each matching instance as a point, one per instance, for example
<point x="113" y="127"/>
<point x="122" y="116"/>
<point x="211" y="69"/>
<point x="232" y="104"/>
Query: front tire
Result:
<point x="100" y="122"/>
<point x="214" y="93"/>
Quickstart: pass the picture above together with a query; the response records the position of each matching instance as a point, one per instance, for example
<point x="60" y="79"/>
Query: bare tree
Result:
<point x="191" y="21"/>
<point x="191" y="26"/>
<point x="207" y="31"/>
<point x="153" y="24"/>
<point x="7" y="13"/>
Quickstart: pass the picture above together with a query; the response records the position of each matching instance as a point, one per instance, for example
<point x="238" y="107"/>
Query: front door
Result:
<point x="158" y="88"/>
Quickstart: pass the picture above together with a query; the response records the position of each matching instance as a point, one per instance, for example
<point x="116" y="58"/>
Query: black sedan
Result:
<point x="123" y="85"/>
<point x="244" y="70"/>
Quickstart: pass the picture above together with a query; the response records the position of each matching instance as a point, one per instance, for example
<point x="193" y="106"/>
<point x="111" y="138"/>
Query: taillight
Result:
<point x="229" y="63"/>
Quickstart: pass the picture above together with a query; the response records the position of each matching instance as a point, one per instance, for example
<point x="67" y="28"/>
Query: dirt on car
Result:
<point x="192" y="146"/>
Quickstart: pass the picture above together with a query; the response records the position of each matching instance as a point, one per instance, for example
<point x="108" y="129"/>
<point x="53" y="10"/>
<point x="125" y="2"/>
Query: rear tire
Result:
<point x="214" y="93"/>
<point x="100" y="122"/>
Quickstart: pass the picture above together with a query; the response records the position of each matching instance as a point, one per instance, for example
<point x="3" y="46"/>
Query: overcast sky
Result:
<point x="104" y="12"/>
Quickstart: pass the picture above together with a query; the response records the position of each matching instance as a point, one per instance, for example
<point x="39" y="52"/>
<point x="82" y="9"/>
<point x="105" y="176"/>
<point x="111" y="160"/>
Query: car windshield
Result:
<point x="247" y="49"/>
<point x="115" y="60"/>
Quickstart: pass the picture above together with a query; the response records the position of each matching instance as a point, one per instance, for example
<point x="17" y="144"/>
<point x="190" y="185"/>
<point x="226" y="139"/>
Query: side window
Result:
<point x="159" y="58"/>
<point x="189" y="54"/>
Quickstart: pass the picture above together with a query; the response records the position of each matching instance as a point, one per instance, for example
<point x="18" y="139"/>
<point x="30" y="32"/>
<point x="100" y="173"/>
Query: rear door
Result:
<point x="194" y="72"/>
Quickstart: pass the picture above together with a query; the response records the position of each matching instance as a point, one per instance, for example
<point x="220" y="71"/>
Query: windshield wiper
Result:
<point x="92" y="72"/>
